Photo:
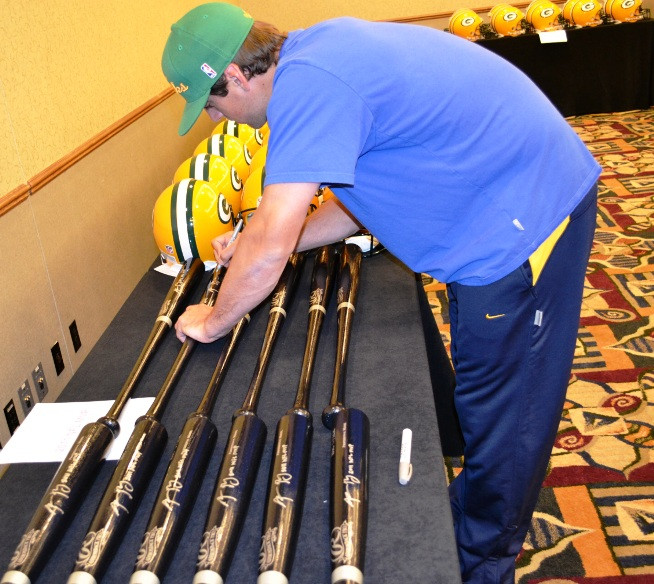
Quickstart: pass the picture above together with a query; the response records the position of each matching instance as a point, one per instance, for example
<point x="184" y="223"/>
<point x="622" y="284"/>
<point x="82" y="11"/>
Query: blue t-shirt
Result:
<point x="447" y="153"/>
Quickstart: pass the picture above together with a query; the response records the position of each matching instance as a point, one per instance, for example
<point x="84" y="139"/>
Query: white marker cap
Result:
<point x="405" y="469"/>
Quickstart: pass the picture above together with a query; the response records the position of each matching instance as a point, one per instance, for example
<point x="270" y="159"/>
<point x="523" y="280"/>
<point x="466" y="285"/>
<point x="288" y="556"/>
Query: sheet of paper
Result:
<point x="553" y="36"/>
<point x="173" y="269"/>
<point x="50" y="429"/>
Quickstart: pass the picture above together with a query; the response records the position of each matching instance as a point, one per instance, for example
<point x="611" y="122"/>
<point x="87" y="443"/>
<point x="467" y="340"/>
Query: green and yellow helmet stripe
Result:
<point x="181" y="214"/>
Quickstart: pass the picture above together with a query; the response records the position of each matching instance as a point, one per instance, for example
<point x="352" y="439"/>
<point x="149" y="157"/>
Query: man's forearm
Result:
<point x="331" y="222"/>
<point x="247" y="283"/>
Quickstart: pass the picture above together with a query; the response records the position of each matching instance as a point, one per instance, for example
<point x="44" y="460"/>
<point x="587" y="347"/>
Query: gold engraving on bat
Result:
<point x="149" y="547"/>
<point x="342" y="545"/>
<point x="23" y="550"/>
<point x="267" y="552"/>
<point x="91" y="549"/>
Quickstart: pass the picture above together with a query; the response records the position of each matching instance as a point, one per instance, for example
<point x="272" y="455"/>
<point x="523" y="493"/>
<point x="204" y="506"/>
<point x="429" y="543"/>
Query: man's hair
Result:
<point x="259" y="51"/>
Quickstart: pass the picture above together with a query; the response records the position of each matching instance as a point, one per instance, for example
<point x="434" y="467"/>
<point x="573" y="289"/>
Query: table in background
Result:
<point x="602" y="69"/>
<point x="410" y="536"/>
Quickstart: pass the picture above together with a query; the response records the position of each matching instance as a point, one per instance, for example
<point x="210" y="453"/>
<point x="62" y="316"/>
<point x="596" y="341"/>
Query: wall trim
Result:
<point x="440" y="15"/>
<point x="38" y="181"/>
<point x="41" y="179"/>
<point x="14" y="198"/>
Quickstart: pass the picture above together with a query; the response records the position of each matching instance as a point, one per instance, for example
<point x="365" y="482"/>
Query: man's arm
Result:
<point x="272" y="234"/>
<point x="328" y="223"/>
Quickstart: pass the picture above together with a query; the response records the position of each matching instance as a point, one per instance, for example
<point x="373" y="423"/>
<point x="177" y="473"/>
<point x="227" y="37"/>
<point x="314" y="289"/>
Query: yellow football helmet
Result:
<point x="582" y="12"/>
<point x="247" y="134"/>
<point x="623" y="10"/>
<point x="217" y="171"/>
<point x="259" y="158"/>
<point x="322" y="194"/>
<point x="231" y="149"/>
<point x="506" y="20"/>
<point x="543" y="15"/>
<point x="252" y="193"/>
<point x="186" y="217"/>
<point x="465" y="23"/>
<point x="326" y="193"/>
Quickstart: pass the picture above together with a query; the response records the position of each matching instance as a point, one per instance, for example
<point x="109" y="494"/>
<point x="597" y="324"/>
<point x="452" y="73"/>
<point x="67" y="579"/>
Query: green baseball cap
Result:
<point x="200" y="46"/>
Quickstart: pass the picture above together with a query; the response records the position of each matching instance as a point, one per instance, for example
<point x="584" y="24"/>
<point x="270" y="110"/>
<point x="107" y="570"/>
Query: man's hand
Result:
<point x="194" y="322"/>
<point x="223" y="249"/>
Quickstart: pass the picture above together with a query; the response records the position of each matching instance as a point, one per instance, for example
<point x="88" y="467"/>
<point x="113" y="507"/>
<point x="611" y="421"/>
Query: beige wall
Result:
<point x="76" y="249"/>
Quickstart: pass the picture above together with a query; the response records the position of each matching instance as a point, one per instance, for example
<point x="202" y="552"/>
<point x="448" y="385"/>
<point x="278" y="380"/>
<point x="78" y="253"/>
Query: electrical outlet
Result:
<point x="74" y="336"/>
<point x="11" y="416"/>
<point x="40" y="384"/>
<point x="58" y="358"/>
<point x="25" y="397"/>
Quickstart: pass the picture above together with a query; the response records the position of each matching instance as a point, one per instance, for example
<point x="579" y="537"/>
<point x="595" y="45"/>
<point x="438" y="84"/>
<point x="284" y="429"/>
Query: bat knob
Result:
<point x="110" y="423"/>
<point x="329" y="415"/>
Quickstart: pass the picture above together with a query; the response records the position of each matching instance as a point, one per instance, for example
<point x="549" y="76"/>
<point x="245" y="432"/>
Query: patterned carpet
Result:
<point x="594" y="523"/>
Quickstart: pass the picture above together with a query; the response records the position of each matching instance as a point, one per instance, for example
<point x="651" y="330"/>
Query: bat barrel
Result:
<point x="175" y="499"/>
<point x="58" y="505"/>
<point x="120" y="499"/>
<point x="286" y="488"/>
<point x="231" y="497"/>
<point x="349" y="500"/>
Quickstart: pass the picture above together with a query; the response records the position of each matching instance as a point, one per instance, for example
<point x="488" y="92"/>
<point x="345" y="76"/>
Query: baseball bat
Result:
<point x="138" y="460"/>
<point x="243" y="450"/>
<point x="183" y="477"/>
<point x="77" y="471"/>
<point x="350" y="442"/>
<point x="292" y="447"/>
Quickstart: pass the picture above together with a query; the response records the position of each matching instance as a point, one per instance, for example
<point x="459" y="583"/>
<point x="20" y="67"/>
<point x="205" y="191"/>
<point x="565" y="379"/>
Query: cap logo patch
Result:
<point x="181" y="88"/>
<point x="209" y="71"/>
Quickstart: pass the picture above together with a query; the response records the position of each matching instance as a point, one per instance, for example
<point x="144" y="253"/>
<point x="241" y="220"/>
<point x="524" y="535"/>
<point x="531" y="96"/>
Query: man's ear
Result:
<point x="234" y="74"/>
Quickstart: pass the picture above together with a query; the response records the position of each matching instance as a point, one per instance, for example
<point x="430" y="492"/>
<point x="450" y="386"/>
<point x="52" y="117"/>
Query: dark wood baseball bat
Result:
<point x="77" y="471"/>
<point x="292" y="447"/>
<point x="183" y="477"/>
<point x="242" y="455"/>
<point x="350" y="442"/>
<point x="134" y="469"/>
